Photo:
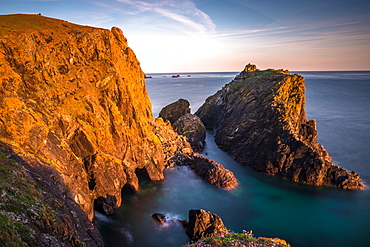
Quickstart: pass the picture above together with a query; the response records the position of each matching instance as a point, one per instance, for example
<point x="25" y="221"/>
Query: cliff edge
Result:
<point x="260" y="119"/>
<point x="74" y="98"/>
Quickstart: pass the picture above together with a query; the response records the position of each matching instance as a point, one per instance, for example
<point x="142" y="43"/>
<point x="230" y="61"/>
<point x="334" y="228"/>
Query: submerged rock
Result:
<point x="260" y="119"/>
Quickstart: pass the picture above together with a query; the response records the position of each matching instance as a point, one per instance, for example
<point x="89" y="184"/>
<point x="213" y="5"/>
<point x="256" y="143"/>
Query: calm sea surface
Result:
<point x="302" y="215"/>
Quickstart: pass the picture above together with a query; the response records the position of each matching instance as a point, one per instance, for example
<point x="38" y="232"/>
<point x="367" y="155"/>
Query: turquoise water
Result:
<point x="302" y="215"/>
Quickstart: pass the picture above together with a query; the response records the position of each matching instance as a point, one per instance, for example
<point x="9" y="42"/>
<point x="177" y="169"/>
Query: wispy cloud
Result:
<point x="183" y="12"/>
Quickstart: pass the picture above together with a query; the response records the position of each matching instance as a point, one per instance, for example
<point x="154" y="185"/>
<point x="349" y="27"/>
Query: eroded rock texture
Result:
<point x="36" y="208"/>
<point x="185" y="123"/>
<point x="191" y="126"/>
<point x="175" y="110"/>
<point x="204" y="224"/>
<point x="177" y="151"/>
<point x="260" y="119"/>
<point x="75" y="97"/>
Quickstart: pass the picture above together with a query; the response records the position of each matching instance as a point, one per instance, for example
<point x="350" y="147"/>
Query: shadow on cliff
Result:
<point x="34" y="195"/>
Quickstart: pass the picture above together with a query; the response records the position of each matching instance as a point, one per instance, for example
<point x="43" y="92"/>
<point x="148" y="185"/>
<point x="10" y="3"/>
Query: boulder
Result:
<point x="160" y="218"/>
<point x="204" y="224"/>
<point x="211" y="171"/>
<point x="175" y="110"/>
<point x="260" y="119"/>
<point x="163" y="220"/>
<point x="192" y="127"/>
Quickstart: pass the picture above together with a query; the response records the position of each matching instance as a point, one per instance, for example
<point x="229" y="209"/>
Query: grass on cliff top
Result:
<point x="24" y="23"/>
<point x="239" y="239"/>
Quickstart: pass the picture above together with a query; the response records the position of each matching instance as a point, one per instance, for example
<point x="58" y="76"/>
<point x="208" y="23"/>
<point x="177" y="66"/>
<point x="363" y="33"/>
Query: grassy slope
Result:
<point x="22" y="23"/>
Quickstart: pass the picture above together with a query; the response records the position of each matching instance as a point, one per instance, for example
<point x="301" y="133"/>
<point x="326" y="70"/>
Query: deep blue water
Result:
<point x="302" y="215"/>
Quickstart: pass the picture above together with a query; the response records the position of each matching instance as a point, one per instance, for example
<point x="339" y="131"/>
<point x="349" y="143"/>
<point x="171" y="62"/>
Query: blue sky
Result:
<point x="224" y="35"/>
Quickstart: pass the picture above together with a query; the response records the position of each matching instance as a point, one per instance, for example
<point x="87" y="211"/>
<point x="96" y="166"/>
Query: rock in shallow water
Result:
<point x="204" y="224"/>
<point x="212" y="172"/>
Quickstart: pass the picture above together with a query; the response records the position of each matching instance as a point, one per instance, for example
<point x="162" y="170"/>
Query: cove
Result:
<point x="303" y="215"/>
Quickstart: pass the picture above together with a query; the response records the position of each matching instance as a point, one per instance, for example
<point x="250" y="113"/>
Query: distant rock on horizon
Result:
<point x="260" y="119"/>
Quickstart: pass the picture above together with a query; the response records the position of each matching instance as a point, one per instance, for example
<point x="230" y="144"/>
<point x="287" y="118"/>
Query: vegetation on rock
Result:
<point x="245" y="239"/>
<point x="260" y="119"/>
<point x="34" y="208"/>
<point x="75" y="97"/>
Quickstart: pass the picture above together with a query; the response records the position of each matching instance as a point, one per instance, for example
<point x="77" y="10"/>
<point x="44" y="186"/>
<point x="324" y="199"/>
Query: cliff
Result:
<point x="260" y="119"/>
<point x="74" y="99"/>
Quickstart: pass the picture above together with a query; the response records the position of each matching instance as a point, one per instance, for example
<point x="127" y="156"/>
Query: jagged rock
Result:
<point x="106" y="205"/>
<point x="35" y="208"/>
<point x="163" y="220"/>
<point x="75" y="97"/>
<point x="191" y="126"/>
<point x="185" y="123"/>
<point x="177" y="151"/>
<point x="211" y="171"/>
<point x="260" y="119"/>
<point x="172" y="143"/>
<point x="175" y="110"/>
<point x="250" y="68"/>
<point x="204" y="224"/>
<point x="160" y="218"/>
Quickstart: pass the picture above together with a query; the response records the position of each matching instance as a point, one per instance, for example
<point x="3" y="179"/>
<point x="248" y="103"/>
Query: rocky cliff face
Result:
<point x="75" y="98"/>
<point x="260" y="119"/>
<point x="36" y="208"/>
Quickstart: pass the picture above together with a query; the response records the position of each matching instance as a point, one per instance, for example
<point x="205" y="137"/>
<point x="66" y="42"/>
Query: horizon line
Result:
<point x="187" y="72"/>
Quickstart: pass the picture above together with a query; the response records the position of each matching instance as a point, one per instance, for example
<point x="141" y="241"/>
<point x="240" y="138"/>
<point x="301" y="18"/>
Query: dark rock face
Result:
<point x="191" y="126"/>
<point x="260" y="119"/>
<point x="184" y="123"/>
<point x="160" y="218"/>
<point x="175" y="110"/>
<point x="35" y="206"/>
<point x="106" y="205"/>
<point x="203" y="224"/>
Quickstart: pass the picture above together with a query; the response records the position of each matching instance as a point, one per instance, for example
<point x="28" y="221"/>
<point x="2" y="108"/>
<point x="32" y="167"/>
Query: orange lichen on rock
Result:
<point x="75" y="97"/>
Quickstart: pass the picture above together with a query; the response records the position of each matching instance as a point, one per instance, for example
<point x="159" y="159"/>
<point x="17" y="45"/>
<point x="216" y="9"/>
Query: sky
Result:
<point x="225" y="35"/>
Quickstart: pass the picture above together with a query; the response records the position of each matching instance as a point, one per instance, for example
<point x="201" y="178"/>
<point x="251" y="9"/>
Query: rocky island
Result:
<point x="260" y="119"/>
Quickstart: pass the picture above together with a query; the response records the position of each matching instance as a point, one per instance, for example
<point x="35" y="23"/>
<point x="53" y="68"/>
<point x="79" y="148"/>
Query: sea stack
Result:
<point x="260" y="119"/>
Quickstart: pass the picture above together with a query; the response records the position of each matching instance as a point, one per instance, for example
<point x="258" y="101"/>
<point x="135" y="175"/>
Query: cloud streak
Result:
<point x="183" y="12"/>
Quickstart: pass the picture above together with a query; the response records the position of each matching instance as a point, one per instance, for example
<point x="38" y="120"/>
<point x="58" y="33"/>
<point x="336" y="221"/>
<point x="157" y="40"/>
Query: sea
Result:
<point x="302" y="215"/>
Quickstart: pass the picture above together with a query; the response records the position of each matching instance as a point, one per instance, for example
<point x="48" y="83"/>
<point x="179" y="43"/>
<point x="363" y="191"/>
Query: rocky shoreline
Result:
<point x="76" y="128"/>
<point x="207" y="229"/>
